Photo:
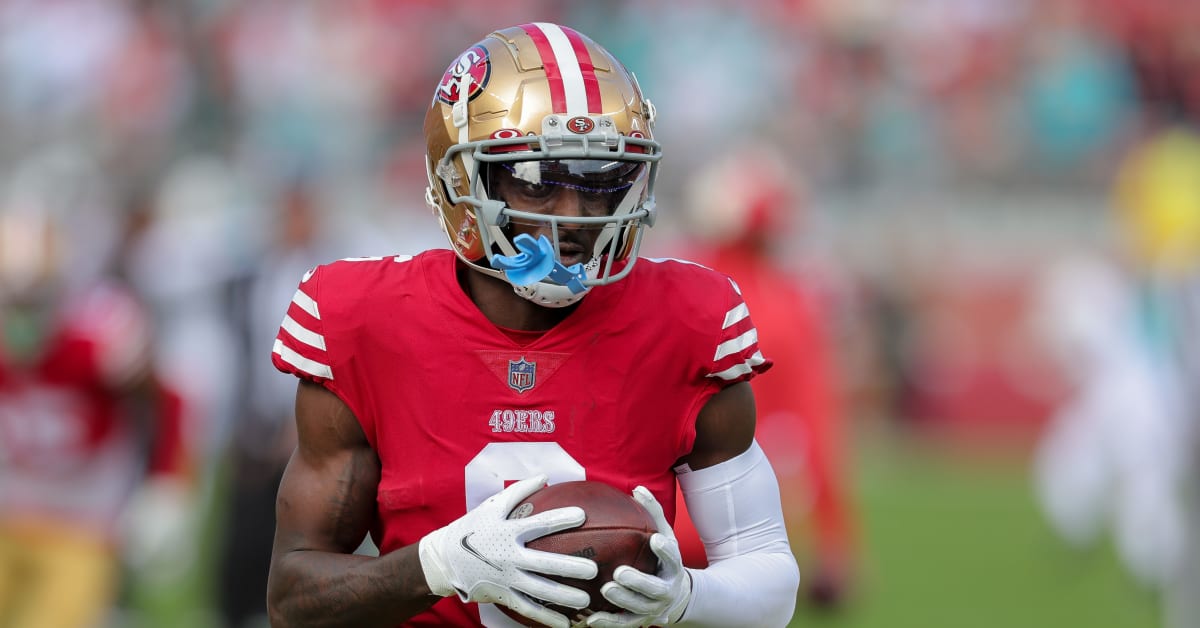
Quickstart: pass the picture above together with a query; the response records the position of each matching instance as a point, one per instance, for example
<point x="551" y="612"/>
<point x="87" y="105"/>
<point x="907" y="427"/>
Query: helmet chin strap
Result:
<point x="556" y="296"/>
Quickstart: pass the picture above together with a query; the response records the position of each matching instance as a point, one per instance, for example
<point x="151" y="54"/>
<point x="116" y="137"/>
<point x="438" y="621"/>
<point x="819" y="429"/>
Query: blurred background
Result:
<point x="989" y="211"/>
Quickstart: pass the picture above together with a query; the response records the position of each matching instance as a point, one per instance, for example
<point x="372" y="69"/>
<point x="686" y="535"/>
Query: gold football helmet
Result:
<point x="544" y="105"/>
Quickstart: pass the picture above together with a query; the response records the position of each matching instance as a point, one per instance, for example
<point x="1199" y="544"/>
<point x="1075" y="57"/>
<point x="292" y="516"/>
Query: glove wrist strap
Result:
<point x="432" y="567"/>
<point x="681" y="605"/>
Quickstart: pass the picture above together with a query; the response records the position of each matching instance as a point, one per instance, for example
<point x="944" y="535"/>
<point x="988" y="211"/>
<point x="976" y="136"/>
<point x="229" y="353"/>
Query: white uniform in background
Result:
<point x="1114" y="456"/>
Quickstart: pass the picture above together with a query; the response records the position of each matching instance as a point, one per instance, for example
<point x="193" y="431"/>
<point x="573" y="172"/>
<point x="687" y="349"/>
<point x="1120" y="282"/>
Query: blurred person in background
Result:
<point x="1076" y="94"/>
<point x="1157" y="193"/>
<point x="184" y="258"/>
<point x="1120" y="456"/>
<point x="184" y="261"/>
<point x="93" y="467"/>
<point x="742" y="212"/>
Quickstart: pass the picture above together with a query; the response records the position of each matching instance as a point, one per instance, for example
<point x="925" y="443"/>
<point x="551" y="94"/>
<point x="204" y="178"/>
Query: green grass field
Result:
<point x="957" y="541"/>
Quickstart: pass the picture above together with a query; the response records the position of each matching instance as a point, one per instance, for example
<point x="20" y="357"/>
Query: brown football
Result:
<point x="616" y="532"/>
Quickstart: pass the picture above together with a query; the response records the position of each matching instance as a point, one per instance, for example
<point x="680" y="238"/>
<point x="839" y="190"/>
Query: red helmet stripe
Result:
<point x="558" y="92"/>
<point x="590" y="84"/>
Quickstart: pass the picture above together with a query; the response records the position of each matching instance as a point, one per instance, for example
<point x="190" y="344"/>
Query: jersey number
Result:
<point x="500" y="464"/>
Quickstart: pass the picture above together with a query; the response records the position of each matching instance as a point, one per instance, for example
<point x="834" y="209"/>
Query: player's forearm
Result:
<point x="311" y="588"/>
<point x="752" y="590"/>
<point x="752" y="576"/>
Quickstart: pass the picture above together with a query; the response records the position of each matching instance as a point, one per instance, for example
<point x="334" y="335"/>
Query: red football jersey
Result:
<point x="456" y="407"/>
<point x="65" y="451"/>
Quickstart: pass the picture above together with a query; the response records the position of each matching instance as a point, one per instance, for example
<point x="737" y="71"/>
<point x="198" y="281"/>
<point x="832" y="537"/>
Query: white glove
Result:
<point x="482" y="557"/>
<point x="159" y="529"/>
<point x="651" y="600"/>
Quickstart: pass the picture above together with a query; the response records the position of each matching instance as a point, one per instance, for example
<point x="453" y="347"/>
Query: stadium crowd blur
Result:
<point x="950" y="153"/>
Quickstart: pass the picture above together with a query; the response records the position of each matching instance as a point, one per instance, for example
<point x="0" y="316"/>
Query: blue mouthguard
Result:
<point x="536" y="261"/>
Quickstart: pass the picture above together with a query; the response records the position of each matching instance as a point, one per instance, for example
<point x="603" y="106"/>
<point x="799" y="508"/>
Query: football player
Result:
<point x="439" y="390"/>
<point x="79" y="401"/>
<point x="740" y="209"/>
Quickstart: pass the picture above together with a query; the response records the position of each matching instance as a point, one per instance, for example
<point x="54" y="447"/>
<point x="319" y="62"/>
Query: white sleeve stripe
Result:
<point x="735" y="286"/>
<point x="303" y="334"/>
<point x="306" y="303"/>
<point x="739" y="370"/>
<point x="736" y="314"/>
<point x="742" y="342"/>
<point x="312" y="367"/>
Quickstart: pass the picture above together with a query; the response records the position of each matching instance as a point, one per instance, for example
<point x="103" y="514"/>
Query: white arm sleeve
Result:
<point x="752" y="576"/>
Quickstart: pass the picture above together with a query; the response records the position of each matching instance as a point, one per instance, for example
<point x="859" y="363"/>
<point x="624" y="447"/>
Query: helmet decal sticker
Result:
<point x="636" y="149"/>
<point x="507" y="134"/>
<point x="581" y="125"/>
<point x="474" y="61"/>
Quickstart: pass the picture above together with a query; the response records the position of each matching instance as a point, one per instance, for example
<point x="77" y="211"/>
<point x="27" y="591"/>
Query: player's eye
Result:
<point x="534" y="190"/>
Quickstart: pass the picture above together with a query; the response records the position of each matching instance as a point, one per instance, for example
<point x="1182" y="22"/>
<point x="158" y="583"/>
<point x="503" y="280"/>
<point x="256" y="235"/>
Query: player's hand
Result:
<point x="828" y="584"/>
<point x="159" y="528"/>
<point x="648" y="599"/>
<point x="482" y="557"/>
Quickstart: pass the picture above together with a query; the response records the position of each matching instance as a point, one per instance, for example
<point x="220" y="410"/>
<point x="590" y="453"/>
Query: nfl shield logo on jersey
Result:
<point x="521" y="374"/>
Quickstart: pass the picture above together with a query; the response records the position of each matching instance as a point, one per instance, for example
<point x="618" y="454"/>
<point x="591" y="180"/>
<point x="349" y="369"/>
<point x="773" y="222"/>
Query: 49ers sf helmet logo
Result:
<point x="581" y="125"/>
<point x="474" y="62"/>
